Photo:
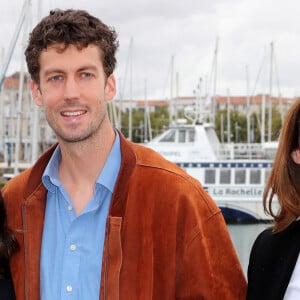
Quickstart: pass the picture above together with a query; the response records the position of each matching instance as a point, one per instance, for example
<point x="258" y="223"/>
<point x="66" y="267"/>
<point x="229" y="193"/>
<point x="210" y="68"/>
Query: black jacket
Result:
<point x="272" y="261"/>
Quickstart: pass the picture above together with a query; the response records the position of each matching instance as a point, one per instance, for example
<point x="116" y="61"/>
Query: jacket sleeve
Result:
<point x="210" y="268"/>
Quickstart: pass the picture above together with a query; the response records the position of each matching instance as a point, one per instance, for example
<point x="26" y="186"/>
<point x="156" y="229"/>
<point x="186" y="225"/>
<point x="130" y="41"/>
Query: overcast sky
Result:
<point x="187" y="30"/>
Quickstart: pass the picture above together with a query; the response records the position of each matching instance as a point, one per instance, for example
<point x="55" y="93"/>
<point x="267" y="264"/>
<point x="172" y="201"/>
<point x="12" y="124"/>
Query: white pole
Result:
<point x="263" y="111"/>
<point x="130" y="91"/>
<point x="228" y="118"/>
<point x="20" y="95"/>
<point x="145" y="112"/>
<point x="270" y="95"/>
<point x="171" y="108"/>
<point x="13" y="42"/>
<point x="248" y="106"/>
<point x="35" y="123"/>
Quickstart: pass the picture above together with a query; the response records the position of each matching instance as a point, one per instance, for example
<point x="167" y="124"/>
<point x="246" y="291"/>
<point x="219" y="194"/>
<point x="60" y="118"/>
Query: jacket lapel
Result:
<point x="33" y="211"/>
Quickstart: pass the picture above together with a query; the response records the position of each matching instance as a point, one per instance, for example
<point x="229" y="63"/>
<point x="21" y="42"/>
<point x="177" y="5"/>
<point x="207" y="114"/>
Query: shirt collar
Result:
<point x="106" y="178"/>
<point x="110" y="171"/>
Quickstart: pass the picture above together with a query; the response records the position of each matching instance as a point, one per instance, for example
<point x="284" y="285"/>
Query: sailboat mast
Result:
<point x="228" y="117"/>
<point x="214" y="79"/>
<point x="13" y="42"/>
<point x="248" y="106"/>
<point x="270" y="95"/>
<point x="263" y="117"/>
<point x="21" y="91"/>
<point x="35" y="122"/>
<point x="130" y="90"/>
<point x="171" y="106"/>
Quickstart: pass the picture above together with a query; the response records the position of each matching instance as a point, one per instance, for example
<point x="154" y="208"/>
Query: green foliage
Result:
<point x="159" y="119"/>
<point x="238" y="126"/>
<point x="2" y="183"/>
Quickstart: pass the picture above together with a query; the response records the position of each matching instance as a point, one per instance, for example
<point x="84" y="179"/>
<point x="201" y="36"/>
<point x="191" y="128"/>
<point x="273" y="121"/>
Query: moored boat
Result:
<point x="233" y="174"/>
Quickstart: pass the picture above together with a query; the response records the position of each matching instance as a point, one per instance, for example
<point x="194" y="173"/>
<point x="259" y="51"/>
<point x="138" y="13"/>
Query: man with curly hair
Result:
<point x="97" y="216"/>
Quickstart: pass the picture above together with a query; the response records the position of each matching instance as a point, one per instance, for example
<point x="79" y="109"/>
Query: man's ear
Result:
<point x="296" y="156"/>
<point x="36" y="93"/>
<point x="110" y="88"/>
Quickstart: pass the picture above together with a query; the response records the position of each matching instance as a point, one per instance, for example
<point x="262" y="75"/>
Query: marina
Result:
<point x="233" y="174"/>
<point x="221" y="126"/>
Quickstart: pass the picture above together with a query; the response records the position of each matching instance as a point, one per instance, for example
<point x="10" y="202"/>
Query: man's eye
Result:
<point x="86" y="75"/>
<point x="56" y="78"/>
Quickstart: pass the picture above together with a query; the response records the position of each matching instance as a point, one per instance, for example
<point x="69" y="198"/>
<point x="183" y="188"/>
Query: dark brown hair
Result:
<point x="284" y="180"/>
<point x="8" y="242"/>
<point x="71" y="27"/>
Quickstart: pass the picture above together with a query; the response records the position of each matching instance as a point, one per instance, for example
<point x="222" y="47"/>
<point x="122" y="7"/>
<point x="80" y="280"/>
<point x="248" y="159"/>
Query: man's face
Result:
<point x="74" y="91"/>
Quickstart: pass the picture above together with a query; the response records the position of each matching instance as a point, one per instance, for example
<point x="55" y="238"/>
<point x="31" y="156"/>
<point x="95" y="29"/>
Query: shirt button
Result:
<point x="69" y="288"/>
<point x="73" y="247"/>
<point x="70" y="207"/>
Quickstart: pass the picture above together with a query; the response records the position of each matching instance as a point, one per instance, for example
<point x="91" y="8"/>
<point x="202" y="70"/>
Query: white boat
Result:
<point x="233" y="174"/>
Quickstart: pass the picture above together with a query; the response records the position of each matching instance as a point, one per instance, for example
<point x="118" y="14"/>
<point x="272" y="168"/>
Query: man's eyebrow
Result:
<point x="87" y="67"/>
<point x="54" y="70"/>
<point x="57" y="70"/>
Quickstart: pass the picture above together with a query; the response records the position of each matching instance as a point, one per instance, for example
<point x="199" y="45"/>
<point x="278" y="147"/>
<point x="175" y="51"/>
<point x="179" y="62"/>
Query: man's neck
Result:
<point x="80" y="167"/>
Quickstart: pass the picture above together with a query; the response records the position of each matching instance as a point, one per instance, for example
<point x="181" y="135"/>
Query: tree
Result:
<point x="238" y="125"/>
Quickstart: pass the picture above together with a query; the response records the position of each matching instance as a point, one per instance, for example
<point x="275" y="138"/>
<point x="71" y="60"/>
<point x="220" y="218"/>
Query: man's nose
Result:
<point x="71" y="89"/>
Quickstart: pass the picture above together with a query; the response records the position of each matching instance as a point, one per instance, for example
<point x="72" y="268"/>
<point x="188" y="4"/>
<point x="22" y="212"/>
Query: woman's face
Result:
<point x="296" y="156"/>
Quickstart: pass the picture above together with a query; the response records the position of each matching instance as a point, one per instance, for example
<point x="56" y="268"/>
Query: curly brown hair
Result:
<point x="71" y="27"/>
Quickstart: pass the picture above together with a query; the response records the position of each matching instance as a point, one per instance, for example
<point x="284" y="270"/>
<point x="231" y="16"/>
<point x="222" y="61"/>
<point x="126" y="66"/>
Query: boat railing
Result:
<point x="242" y="151"/>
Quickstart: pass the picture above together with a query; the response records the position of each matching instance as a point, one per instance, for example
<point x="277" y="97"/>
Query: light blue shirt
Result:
<point x="72" y="245"/>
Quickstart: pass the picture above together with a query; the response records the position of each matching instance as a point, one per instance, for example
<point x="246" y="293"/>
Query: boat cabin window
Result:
<point x="240" y="176"/>
<point x="210" y="176"/>
<point x="181" y="136"/>
<point x="169" y="137"/>
<point x="225" y="177"/>
<point x="255" y="176"/>
<point x="267" y="174"/>
<point x="191" y="135"/>
<point x="186" y="135"/>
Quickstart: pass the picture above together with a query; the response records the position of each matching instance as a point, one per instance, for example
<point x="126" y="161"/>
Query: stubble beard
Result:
<point x="91" y="132"/>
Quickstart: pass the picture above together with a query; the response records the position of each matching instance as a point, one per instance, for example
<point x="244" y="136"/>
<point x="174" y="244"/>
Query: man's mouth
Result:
<point x="73" y="113"/>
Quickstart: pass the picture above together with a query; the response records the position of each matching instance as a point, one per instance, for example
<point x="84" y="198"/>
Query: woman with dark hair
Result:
<point x="274" y="265"/>
<point x="8" y="245"/>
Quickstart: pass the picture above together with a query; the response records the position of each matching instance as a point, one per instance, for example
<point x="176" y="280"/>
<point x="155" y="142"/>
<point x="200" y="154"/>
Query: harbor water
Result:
<point x="243" y="236"/>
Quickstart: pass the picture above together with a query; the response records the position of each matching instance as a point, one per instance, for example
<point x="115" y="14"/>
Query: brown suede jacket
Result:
<point x="165" y="237"/>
